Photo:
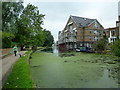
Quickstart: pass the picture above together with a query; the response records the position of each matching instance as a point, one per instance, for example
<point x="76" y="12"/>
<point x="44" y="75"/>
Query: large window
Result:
<point x="71" y="28"/>
<point x="96" y="38"/>
<point x="95" y="32"/>
<point x="113" y="33"/>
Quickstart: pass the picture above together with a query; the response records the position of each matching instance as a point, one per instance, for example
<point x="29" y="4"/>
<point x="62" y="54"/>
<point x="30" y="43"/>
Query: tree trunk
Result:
<point x="34" y="48"/>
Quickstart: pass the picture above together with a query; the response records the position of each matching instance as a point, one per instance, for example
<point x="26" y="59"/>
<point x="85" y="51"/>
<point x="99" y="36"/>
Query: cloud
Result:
<point x="68" y="0"/>
<point x="57" y="13"/>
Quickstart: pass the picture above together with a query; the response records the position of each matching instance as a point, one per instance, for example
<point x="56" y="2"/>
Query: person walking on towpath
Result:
<point x="15" y="50"/>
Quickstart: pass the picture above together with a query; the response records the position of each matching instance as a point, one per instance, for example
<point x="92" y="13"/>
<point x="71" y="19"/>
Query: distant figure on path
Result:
<point x="15" y="50"/>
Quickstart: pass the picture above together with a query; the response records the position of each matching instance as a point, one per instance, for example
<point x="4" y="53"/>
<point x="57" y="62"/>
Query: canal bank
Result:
<point x="51" y="69"/>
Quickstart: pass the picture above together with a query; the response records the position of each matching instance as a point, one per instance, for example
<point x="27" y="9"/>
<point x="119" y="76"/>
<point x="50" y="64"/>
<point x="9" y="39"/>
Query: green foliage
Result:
<point x="100" y="45"/>
<point x="20" y="75"/>
<point x="10" y="14"/>
<point x="29" y="27"/>
<point x="25" y="24"/>
<point x="116" y="47"/>
<point x="7" y="39"/>
<point x="49" y="40"/>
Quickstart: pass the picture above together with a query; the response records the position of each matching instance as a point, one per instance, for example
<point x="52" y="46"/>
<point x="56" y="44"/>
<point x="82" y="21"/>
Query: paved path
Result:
<point x="7" y="64"/>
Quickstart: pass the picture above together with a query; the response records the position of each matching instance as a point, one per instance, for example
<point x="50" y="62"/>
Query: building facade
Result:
<point x="80" y="32"/>
<point x="112" y="34"/>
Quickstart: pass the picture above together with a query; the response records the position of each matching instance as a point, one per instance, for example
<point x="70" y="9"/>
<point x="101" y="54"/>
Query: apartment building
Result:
<point x="112" y="34"/>
<point x="80" y="32"/>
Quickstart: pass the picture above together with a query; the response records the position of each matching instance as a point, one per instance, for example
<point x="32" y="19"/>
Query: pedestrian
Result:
<point x="15" y="50"/>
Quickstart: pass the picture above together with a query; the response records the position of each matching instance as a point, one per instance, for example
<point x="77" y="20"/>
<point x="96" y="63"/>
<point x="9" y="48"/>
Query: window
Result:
<point x="80" y="44"/>
<point x="71" y="28"/>
<point x="90" y="45"/>
<point x="90" y="38"/>
<point x="96" y="38"/>
<point x="90" y="31"/>
<point x="87" y="44"/>
<point x="113" y="33"/>
<point x="95" y="32"/>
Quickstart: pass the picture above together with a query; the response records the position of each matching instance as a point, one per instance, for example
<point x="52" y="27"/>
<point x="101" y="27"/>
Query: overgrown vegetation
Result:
<point x="20" y="76"/>
<point x="116" y="47"/>
<point x="23" y="26"/>
<point x="100" y="45"/>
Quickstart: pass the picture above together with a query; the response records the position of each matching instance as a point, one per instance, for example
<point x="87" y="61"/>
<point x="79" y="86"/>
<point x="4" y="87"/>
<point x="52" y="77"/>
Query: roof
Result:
<point x="111" y="28"/>
<point x="82" y="22"/>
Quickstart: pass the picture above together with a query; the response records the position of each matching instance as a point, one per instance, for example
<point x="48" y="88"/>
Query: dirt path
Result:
<point x="7" y="64"/>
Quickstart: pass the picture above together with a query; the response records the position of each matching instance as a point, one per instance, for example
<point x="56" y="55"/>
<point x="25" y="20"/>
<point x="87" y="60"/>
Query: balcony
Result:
<point x="71" y="39"/>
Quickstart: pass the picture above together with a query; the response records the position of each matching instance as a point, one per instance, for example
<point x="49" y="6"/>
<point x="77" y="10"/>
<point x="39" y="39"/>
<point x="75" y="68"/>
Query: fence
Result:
<point x="7" y="51"/>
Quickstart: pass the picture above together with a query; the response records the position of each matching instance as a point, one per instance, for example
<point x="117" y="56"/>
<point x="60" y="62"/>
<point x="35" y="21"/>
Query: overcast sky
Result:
<point x="57" y="13"/>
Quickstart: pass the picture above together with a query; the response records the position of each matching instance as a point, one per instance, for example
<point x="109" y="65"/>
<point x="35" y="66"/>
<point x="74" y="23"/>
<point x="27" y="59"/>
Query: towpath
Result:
<point x="6" y="65"/>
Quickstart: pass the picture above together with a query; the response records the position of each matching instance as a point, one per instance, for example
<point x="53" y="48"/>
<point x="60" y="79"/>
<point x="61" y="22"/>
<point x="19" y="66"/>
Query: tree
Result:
<point x="7" y="39"/>
<point x="116" y="47"/>
<point x="29" y="27"/>
<point x="48" y="38"/>
<point x="10" y="16"/>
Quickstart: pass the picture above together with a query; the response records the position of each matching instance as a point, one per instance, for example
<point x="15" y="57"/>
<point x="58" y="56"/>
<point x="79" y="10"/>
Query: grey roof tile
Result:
<point x="82" y="22"/>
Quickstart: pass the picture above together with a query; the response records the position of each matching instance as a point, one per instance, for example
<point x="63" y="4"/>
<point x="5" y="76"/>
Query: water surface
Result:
<point x="73" y="70"/>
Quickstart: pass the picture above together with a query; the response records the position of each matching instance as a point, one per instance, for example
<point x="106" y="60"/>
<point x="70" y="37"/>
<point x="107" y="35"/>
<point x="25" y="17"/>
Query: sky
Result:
<point x="57" y="12"/>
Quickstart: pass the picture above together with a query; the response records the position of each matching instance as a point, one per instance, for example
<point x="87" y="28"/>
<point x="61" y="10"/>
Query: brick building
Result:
<point x="80" y="32"/>
<point x="112" y="34"/>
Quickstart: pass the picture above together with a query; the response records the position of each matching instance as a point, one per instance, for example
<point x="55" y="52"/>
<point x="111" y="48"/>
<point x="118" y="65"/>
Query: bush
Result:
<point x="116" y="47"/>
<point x="100" y="45"/>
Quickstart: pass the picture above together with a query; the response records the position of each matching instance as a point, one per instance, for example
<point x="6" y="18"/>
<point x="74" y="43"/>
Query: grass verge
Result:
<point x="20" y="76"/>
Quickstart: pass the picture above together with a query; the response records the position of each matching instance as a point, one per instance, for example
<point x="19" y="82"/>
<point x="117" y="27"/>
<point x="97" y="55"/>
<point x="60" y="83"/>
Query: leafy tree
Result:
<point x="10" y="15"/>
<point x="48" y="38"/>
<point x="23" y="26"/>
<point x="29" y="27"/>
<point x="7" y="39"/>
<point x="116" y="47"/>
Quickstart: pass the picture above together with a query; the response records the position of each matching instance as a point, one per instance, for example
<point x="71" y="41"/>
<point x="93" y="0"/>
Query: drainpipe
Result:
<point x="83" y="35"/>
<point x="73" y="40"/>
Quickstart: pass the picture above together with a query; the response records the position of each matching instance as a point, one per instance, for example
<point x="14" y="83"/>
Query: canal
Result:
<point x="52" y="69"/>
